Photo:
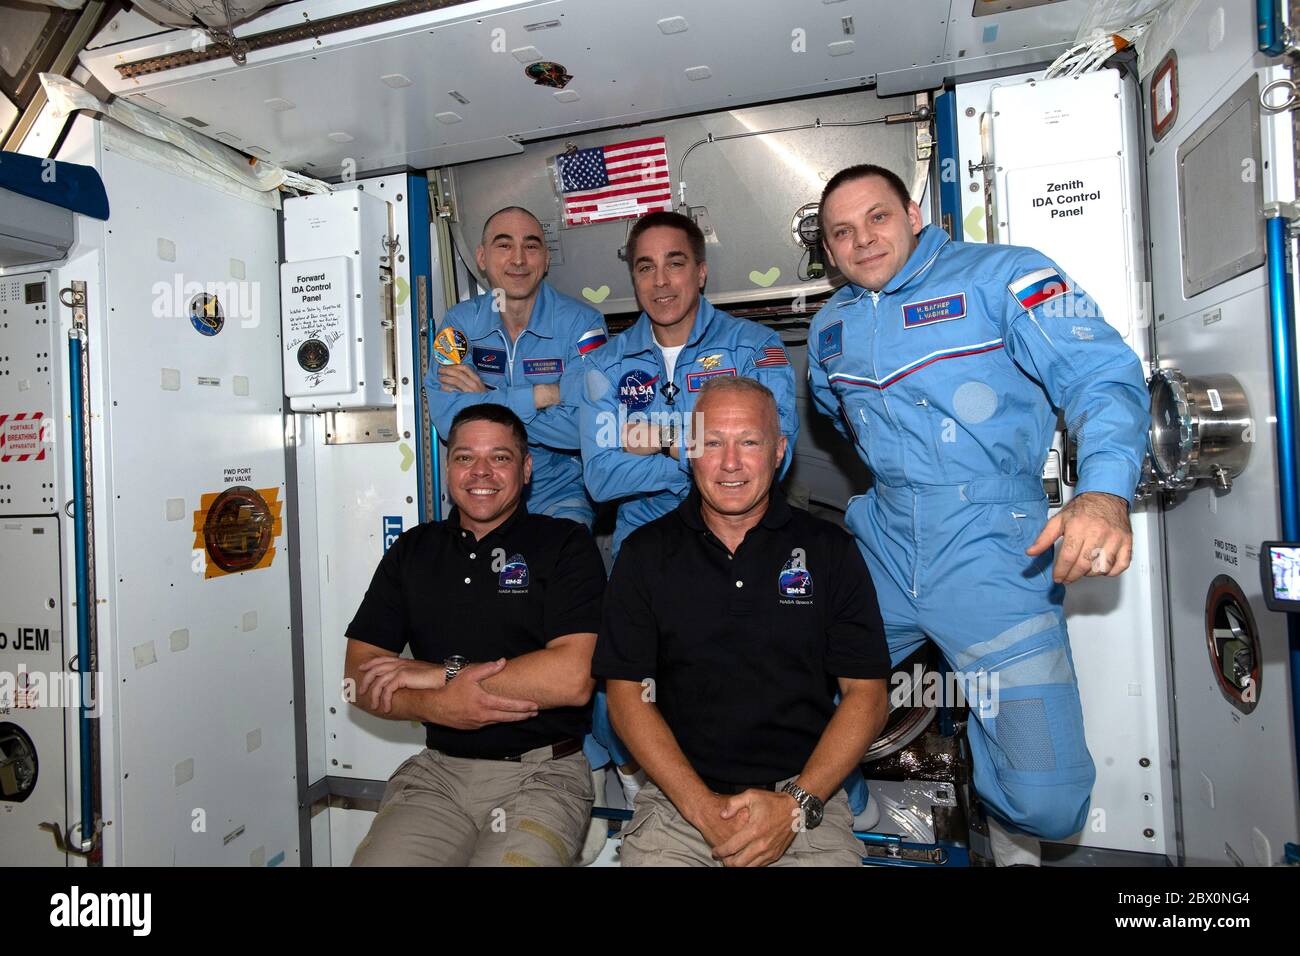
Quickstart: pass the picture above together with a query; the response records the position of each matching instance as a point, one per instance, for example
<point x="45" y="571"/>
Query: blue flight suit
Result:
<point x="948" y="381"/>
<point x="626" y="377"/>
<point x="546" y="352"/>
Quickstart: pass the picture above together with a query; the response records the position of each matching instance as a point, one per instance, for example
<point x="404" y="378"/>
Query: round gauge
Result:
<point x="313" y="355"/>
<point x="805" y="225"/>
<point x="810" y="229"/>
<point x="238" y="530"/>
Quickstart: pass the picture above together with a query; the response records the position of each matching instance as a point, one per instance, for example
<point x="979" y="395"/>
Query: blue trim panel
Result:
<point x="66" y="185"/>
<point x="417" y="208"/>
<point x="945" y="129"/>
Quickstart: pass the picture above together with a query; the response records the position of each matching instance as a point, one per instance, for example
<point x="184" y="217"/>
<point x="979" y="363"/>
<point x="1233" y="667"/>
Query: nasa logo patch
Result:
<point x="795" y="580"/>
<point x="514" y="576"/>
<point x="636" y="390"/>
<point x="490" y="360"/>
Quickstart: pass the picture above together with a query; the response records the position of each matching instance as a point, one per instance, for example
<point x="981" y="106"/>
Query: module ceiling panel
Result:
<point x="449" y="86"/>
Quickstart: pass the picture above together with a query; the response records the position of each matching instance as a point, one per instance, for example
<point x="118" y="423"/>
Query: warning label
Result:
<point x="21" y="437"/>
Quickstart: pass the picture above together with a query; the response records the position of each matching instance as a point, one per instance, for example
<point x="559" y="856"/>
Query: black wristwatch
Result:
<point x="453" y="665"/>
<point x="667" y="436"/>
<point x="811" y="806"/>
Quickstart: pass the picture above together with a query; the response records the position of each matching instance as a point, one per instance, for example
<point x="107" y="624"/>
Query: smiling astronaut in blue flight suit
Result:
<point x="526" y="348"/>
<point x="945" y="364"/>
<point x="641" y="387"/>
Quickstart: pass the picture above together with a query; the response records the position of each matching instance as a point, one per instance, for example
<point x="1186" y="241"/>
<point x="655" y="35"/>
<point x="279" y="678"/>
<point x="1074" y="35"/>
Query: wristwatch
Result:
<point x="667" y="436"/>
<point x="812" y="806"/>
<point x="453" y="665"/>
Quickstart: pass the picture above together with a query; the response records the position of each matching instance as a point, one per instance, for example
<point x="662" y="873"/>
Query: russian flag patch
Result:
<point x="1039" y="287"/>
<point x="591" y="339"/>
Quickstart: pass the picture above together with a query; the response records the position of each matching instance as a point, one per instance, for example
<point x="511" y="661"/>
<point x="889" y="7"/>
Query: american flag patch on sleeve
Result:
<point x="1038" y="287"/>
<point x="772" y="357"/>
<point x="591" y="339"/>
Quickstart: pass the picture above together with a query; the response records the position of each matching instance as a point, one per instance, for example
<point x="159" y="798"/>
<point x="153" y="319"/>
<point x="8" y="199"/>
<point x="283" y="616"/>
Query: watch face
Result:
<point x="813" y="813"/>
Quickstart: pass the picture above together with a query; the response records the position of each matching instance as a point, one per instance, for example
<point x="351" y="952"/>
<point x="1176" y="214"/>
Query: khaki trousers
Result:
<point x="452" y="811"/>
<point x="658" y="835"/>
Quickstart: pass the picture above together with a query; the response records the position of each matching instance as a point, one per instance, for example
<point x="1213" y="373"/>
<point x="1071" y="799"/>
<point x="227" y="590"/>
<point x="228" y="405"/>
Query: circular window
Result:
<point x="313" y="355"/>
<point x="238" y="529"/>
<point x="1233" y="642"/>
<point x="206" y="315"/>
<point x="18" y="765"/>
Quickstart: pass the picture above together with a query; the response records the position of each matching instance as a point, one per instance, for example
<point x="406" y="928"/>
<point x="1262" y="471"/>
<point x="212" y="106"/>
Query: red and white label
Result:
<point x="20" y="437"/>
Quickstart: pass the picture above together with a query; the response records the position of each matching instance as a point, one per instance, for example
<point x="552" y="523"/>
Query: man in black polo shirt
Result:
<point x="503" y="780"/>
<point x="729" y="625"/>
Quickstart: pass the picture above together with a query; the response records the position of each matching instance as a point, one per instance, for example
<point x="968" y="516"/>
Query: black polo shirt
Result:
<point x="529" y="581"/>
<point x="744" y="650"/>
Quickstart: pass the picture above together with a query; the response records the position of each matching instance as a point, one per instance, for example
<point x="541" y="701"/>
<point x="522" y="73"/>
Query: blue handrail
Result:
<point x="81" y="537"/>
<point x="1272" y="33"/>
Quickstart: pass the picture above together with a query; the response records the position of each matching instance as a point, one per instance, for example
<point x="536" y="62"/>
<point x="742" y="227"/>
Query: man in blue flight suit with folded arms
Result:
<point x="641" y="387"/>
<point x="525" y="347"/>
<point x="945" y="363"/>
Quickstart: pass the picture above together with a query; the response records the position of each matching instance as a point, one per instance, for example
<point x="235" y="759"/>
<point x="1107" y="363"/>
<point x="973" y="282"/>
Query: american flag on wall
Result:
<point x="620" y="181"/>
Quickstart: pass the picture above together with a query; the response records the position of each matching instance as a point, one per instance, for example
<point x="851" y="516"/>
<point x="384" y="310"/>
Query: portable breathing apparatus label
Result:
<point x="22" y="437"/>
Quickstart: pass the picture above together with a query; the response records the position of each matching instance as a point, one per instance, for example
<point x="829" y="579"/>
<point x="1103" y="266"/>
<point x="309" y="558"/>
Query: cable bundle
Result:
<point x="1089" y="55"/>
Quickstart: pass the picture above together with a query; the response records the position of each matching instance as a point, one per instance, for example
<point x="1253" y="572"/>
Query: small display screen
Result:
<point x="34" y="293"/>
<point x="1280" y="570"/>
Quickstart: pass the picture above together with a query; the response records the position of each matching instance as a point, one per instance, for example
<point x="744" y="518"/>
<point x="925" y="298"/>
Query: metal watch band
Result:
<point x="453" y="666"/>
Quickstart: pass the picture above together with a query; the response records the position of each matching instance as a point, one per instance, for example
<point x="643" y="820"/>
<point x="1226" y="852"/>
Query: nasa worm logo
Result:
<point x="636" y="390"/>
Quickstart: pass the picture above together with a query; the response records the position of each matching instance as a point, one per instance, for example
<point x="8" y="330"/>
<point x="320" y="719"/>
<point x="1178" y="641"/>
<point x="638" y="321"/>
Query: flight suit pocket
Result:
<point x="854" y="413"/>
<point x="944" y="438"/>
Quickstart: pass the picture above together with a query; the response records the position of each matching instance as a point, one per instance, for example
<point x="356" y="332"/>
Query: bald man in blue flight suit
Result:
<point x="526" y="348"/>
<point x="945" y="363"/>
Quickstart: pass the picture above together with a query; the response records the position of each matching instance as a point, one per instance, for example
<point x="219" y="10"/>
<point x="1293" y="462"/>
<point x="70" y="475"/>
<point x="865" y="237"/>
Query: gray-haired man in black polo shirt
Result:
<point x="729" y="625"/>
<point x="504" y="780"/>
